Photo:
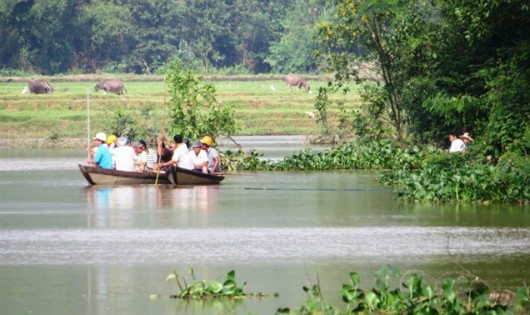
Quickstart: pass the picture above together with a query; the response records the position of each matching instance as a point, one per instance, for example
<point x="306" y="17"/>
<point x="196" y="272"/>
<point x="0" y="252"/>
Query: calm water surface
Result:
<point x="66" y="248"/>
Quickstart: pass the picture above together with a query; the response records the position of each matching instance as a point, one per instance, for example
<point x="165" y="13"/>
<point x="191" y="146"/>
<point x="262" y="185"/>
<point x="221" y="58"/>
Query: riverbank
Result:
<point x="263" y="106"/>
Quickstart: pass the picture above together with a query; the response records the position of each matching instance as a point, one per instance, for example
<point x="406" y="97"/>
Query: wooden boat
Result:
<point x="180" y="176"/>
<point x="102" y="176"/>
<point x="177" y="176"/>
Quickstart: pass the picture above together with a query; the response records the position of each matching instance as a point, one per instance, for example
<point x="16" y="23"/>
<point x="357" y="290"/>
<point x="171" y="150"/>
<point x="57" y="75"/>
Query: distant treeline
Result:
<point x="140" y="36"/>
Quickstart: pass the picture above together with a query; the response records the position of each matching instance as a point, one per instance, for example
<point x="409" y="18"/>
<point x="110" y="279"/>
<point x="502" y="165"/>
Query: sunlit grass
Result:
<point x="262" y="107"/>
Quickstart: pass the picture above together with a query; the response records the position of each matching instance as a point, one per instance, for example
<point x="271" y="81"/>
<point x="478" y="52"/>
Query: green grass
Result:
<point x="260" y="110"/>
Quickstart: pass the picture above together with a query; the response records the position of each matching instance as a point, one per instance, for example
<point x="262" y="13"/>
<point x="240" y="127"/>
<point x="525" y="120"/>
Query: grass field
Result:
<point x="263" y="107"/>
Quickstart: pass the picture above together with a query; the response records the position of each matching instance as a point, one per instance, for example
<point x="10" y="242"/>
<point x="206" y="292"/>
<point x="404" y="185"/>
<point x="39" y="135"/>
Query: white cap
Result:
<point x="101" y="136"/>
<point x="122" y="141"/>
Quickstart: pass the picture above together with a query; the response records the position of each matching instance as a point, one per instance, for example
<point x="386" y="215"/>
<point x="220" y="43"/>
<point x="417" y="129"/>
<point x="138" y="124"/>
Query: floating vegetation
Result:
<point x="408" y="294"/>
<point x="205" y="289"/>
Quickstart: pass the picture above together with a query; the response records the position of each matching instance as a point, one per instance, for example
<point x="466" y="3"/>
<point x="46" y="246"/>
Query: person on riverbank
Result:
<point x="102" y="157"/>
<point x="181" y="156"/>
<point x="457" y="145"/>
<point x="466" y="138"/>
<point x="199" y="157"/>
<point x="214" y="160"/>
<point x="124" y="155"/>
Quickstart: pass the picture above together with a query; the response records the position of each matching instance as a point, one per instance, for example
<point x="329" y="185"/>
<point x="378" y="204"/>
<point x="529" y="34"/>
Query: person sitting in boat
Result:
<point x="102" y="157"/>
<point x="199" y="157"/>
<point x="141" y="156"/>
<point x="151" y="158"/>
<point x="111" y="144"/>
<point x="214" y="160"/>
<point x="124" y="155"/>
<point x="181" y="156"/>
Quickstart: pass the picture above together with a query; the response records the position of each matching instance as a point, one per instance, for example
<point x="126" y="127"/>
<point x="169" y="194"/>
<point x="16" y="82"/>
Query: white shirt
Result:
<point x="182" y="157"/>
<point x="140" y="158"/>
<point x="457" y="146"/>
<point x="200" y="159"/>
<point x="124" y="158"/>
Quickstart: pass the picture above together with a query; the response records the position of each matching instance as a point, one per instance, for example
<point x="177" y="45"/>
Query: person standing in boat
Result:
<point x="102" y="157"/>
<point x="181" y="156"/>
<point x="124" y="155"/>
<point x="214" y="160"/>
<point x="199" y="157"/>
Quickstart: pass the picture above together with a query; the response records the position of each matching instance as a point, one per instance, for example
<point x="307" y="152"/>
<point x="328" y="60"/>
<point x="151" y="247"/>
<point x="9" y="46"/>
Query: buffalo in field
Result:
<point x="111" y="86"/>
<point x="36" y="86"/>
<point x="296" y="80"/>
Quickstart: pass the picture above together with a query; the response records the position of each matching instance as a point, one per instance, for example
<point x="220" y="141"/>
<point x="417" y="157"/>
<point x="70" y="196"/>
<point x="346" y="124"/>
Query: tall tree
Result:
<point x="294" y="51"/>
<point x="36" y="35"/>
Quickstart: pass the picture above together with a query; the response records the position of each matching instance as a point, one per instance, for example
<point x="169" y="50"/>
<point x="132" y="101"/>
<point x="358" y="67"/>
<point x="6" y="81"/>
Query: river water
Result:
<point x="67" y="248"/>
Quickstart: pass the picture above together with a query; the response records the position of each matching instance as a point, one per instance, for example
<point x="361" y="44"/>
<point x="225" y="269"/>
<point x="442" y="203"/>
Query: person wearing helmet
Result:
<point x="111" y="141"/>
<point x="102" y="158"/>
<point x="214" y="160"/>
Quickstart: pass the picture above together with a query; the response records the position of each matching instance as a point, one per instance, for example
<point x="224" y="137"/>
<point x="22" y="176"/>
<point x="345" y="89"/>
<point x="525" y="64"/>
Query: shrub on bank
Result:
<point x="418" y="174"/>
<point x="447" y="177"/>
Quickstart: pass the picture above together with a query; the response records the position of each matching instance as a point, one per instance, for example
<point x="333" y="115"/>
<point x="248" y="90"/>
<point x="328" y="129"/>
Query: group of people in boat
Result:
<point x="119" y="153"/>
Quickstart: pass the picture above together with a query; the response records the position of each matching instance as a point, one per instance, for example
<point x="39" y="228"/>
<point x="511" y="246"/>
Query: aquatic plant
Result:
<point x="447" y="177"/>
<point x="408" y="294"/>
<point x="204" y="289"/>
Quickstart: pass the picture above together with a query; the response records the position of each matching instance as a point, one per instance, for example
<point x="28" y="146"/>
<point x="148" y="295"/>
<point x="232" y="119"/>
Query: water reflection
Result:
<point x="127" y="206"/>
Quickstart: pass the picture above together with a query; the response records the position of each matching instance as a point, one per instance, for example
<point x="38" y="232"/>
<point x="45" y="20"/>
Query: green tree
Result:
<point x="482" y="72"/>
<point x="107" y="25"/>
<point x="193" y="107"/>
<point x="382" y="36"/>
<point x="36" y="35"/>
<point x="294" y="51"/>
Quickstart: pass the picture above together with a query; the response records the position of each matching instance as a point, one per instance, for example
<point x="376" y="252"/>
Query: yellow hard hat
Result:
<point x="111" y="139"/>
<point x="207" y="140"/>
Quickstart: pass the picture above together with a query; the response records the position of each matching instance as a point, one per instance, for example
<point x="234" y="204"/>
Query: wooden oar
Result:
<point x="88" y="120"/>
<point x="163" y="126"/>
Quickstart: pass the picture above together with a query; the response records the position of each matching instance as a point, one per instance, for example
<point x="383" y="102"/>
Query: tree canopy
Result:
<point x="441" y="67"/>
<point x="141" y="36"/>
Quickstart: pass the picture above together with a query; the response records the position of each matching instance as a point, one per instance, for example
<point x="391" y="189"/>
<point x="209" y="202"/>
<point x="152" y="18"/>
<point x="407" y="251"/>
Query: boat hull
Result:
<point x="101" y="176"/>
<point x="180" y="176"/>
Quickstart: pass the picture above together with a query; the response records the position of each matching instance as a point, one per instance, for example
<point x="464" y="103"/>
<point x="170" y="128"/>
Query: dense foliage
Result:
<point x="436" y="67"/>
<point x="409" y="294"/>
<point x="193" y="107"/>
<point x="444" y="177"/>
<point x="416" y="173"/>
<point x="141" y="36"/>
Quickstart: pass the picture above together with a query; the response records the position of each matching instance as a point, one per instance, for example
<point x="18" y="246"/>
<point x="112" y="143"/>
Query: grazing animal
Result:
<point x="296" y="80"/>
<point x="312" y="115"/>
<point x="37" y="86"/>
<point x="111" y="86"/>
